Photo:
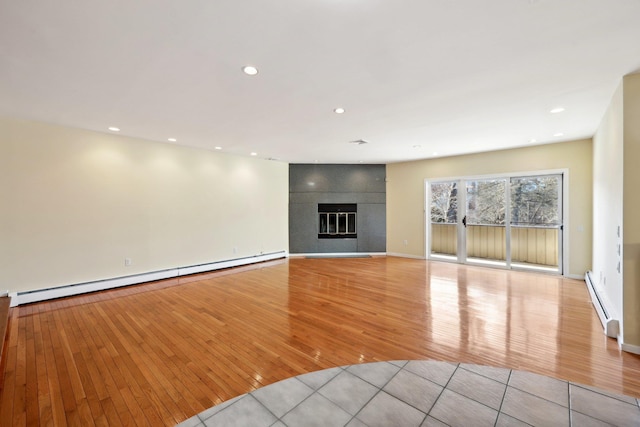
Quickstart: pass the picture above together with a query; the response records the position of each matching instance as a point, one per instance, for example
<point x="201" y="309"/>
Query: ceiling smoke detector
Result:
<point x="359" y="142"/>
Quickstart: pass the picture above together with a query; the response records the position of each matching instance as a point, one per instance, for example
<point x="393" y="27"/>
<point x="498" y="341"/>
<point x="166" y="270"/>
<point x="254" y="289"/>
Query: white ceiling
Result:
<point x="416" y="77"/>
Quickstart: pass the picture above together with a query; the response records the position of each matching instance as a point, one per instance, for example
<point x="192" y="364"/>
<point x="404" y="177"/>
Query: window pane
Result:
<point x="486" y="202"/>
<point x="534" y="200"/>
<point x="444" y="202"/>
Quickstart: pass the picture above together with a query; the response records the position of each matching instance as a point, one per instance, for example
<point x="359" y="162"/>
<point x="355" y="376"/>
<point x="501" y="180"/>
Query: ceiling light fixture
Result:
<point x="172" y="140"/>
<point x="218" y="148"/>
<point x="114" y="129"/>
<point x="533" y="140"/>
<point x="250" y="70"/>
<point x="557" y="110"/>
<point x="558" y="134"/>
<point x="254" y="154"/>
<point x="338" y="110"/>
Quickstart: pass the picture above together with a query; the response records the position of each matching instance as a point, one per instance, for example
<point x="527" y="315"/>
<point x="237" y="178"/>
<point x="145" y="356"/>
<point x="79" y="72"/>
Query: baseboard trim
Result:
<point x="603" y="308"/>
<point x="630" y="348"/>
<point x="401" y="255"/>
<point x="26" y="297"/>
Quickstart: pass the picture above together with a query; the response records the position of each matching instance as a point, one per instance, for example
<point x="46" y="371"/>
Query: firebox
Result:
<point x="337" y="220"/>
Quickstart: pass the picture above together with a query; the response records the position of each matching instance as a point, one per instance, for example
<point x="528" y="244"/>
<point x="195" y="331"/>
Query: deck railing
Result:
<point x="529" y="244"/>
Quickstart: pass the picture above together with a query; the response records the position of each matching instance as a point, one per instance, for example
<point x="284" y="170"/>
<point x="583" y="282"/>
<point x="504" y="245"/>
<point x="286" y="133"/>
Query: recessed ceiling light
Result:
<point x="557" y="110"/>
<point x="558" y="134"/>
<point x="435" y="153"/>
<point x="218" y="148"/>
<point x="338" y="110"/>
<point x="533" y="140"/>
<point x="254" y="154"/>
<point x="250" y="70"/>
<point x="172" y="140"/>
<point x="114" y="129"/>
<point x="361" y="161"/>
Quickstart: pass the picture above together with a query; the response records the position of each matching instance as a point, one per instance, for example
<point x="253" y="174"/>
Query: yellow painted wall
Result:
<point x="631" y="211"/>
<point x="405" y="192"/>
<point x="76" y="203"/>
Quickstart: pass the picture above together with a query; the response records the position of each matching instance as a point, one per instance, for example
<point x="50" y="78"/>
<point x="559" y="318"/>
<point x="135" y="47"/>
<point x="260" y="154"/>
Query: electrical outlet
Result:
<point x="127" y="262"/>
<point x="406" y="242"/>
<point x="235" y="250"/>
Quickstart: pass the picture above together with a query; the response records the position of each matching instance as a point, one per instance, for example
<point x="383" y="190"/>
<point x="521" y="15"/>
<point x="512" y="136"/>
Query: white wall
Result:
<point x="608" y="148"/>
<point x="616" y="204"/>
<point x="76" y="203"/>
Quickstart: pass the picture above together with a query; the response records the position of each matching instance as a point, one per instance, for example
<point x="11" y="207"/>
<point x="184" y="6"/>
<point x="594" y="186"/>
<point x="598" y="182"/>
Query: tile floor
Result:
<point x="422" y="393"/>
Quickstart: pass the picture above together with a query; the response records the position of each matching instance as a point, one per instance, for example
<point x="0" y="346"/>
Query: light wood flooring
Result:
<point x="158" y="353"/>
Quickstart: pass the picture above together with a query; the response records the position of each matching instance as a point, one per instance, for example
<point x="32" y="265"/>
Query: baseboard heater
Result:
<point x="26" y="297"/>
<point x="611" y="325"/>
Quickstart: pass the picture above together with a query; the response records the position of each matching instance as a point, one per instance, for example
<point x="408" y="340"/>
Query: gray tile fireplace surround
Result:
<point x="314" y="185"/>
<point x="422" y="393"/>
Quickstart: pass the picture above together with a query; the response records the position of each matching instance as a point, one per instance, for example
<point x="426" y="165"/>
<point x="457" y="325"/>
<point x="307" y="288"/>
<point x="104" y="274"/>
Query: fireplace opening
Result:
<point x="337" y="220"/>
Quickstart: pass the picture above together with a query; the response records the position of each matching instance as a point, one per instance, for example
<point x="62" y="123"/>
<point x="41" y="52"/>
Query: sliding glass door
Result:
<point x="536" y="222"/>
<point x="484" y="221"/>
<point x="444" y="220"/>
<point x="509" y="222"/>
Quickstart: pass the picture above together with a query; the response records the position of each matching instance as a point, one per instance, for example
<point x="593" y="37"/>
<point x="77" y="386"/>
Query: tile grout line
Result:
<point x="601" y="396"/>
<point x="261" y="404"/>
<point x="458" y="366"/>
<point x="308" y="397"/>
<point x="610" y="395"/>
<point x="569" y="403"/>
<point x="380" y="390"/>
<point x="442" y="391"/>
<point x="506" y="387"/>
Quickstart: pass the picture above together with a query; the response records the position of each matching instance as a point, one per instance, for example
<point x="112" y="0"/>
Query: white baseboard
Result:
<point x="603" y="307"/>
<point x="630" y="348"/>
<point x="26" y="297"/>
<point x="401" y="255"/>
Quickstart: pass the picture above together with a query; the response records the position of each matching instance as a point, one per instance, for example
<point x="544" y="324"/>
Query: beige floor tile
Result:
<point x="604" y="408"/>
<point x="438" y="372"/>
<point x="385" y="410"/>
<point x="459" y="411"/>
<point x="348" y="392"/>
<point x="545" y="387"/>
<point x="414" y="390"/>
<point x="478" y="388"/>
<point x="497" y="374"/>
<point x="534" y="410"/>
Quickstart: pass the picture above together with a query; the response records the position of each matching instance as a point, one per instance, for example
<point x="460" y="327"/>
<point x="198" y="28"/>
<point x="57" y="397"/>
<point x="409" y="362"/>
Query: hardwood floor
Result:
<point x="158" y="353"/>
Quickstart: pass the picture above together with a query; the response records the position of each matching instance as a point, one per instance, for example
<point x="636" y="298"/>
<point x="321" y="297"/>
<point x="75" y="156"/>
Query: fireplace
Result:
<point x="337" y="220"/>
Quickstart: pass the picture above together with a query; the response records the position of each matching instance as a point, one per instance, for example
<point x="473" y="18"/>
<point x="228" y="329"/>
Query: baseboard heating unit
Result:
<point x="611" y="325"/>
<point x="26" y="297"/>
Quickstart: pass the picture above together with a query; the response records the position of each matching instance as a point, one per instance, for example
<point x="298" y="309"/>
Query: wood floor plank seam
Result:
<point x="158" y="353"/>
